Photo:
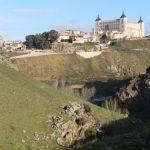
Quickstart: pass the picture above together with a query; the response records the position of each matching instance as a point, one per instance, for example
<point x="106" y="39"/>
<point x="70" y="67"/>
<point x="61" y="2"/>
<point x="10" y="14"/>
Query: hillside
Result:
<point x="25" y="105"/>
<point x="132" y="133"/>
<point x="135" y="95"/>
<point x="109" y="64"/>
<point x="138" y="44"/>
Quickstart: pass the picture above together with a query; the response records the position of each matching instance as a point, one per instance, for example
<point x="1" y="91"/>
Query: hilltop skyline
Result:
<point x="22" y="18"/>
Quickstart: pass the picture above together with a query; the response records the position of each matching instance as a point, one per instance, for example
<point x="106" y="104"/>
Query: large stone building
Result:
<point x="121" y="26"/>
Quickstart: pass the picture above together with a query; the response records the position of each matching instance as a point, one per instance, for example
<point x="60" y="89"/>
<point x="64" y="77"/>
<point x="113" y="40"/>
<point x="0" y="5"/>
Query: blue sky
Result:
<point x="19" y="18"/>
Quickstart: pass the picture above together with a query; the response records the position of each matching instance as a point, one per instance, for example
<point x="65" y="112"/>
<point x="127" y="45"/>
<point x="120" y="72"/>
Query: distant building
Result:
<point x="122" y="27"/>
<point x="76" y="36"/>
<point x="69" y="32"/>
<point x="68" y="35"/>
<point x="13" y="46"/>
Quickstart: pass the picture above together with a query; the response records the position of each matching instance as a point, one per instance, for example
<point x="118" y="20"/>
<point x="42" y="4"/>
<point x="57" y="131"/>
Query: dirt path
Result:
<point x="82" y="54"/>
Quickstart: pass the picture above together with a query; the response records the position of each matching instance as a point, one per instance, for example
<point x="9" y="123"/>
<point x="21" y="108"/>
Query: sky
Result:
<point x="19" y="18"/>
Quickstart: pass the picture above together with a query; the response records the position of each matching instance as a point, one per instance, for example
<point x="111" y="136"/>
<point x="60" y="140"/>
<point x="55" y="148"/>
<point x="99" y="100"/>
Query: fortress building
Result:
<point x="120" y="26"/>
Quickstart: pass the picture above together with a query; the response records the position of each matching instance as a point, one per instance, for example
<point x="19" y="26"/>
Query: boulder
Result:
<point x="77" y="126"/>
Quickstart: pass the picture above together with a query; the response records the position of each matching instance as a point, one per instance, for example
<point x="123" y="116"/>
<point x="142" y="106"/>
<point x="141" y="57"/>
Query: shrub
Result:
<point x="111" y="105"/>
<point x="87" y="93"/>
<point x="87" y="108"/>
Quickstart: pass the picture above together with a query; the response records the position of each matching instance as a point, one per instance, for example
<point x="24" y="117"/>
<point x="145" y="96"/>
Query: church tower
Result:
<point x="123" y="22"/>
<point x="96" y="28"/>
<point x="141" y="23"/>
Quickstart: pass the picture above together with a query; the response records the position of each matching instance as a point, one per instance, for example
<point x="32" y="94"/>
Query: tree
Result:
<point x="104" y="38"/>
<point x="53" y="35"/>
<point x="30" y="41"/>
<point x="41" y="41"/>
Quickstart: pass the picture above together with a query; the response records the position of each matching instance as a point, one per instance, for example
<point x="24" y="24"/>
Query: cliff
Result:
<point x="135" y="95"/>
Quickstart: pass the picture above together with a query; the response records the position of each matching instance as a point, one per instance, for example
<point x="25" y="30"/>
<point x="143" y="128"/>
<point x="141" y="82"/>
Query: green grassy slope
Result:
<point x="24" y="108"/>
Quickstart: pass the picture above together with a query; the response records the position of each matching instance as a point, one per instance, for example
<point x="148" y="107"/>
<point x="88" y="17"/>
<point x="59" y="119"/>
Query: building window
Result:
<point x="107" y="27"/>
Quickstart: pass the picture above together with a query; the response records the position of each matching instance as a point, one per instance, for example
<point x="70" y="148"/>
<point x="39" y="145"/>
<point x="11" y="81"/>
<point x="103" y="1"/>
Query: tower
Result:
<point x="141" y="23"/>
<point x="96" y="28"/>
<point x="123" y="23"/>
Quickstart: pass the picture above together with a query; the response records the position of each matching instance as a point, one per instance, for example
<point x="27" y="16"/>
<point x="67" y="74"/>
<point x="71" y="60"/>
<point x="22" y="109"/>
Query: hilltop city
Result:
<point x="115" y="29"/>
<point x="74" y="90"/>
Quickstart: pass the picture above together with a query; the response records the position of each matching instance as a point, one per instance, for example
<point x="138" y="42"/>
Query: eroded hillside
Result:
<point x="109" y="64"/>
<point x="130" y="133"/>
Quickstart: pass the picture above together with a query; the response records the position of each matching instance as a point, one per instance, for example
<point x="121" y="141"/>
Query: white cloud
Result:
<point x="7" y="20"/>
<point x="37" y="10"/>
<point x="70" y="25"/>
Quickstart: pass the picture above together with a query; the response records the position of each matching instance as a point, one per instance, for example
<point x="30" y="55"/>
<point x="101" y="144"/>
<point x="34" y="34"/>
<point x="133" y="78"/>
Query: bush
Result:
<point x="87" y="108"/>
<point x="113" y="105"/>
<point x="88" y="93"/>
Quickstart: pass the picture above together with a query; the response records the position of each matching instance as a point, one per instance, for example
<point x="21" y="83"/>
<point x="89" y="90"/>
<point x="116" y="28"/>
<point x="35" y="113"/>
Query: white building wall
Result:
<point x="130" y="29"/>
<point x="134" y="30"/>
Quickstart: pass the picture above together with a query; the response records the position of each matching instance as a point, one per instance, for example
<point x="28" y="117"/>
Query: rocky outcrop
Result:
<point x="128" y="92"/>
<point x="120" y="70"/>
<point x="74" y="124"/>
<point x="135" y="95"/>
<point x="71" y="48"/>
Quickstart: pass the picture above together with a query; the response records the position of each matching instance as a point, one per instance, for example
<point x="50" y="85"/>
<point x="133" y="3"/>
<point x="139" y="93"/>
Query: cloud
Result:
<point x="37" y="10"/>
<point x="70" y="25"/>
<point x="7" y="20"/>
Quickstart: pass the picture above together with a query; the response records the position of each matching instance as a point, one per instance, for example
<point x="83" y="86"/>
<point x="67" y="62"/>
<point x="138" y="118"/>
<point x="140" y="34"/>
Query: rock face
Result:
<point x="74" y="124"/>
<point x="70" y="48"/>
<point x="130" y="91"/>
<point x="135" y="95"/>
<point x="120" y="70"/>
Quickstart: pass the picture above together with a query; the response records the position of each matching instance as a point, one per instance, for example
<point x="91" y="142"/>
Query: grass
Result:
<point x="131" y="44"/>
<point x="74" y="67"/>
<point x="25" y="104"/>
<point x="55" y="66"/>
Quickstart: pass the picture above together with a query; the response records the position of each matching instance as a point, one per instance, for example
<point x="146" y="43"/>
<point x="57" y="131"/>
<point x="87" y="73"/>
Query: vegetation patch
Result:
<point x="131" y="44"/>
<point x="25" y="105"/>
<point x="111" y="64"/>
